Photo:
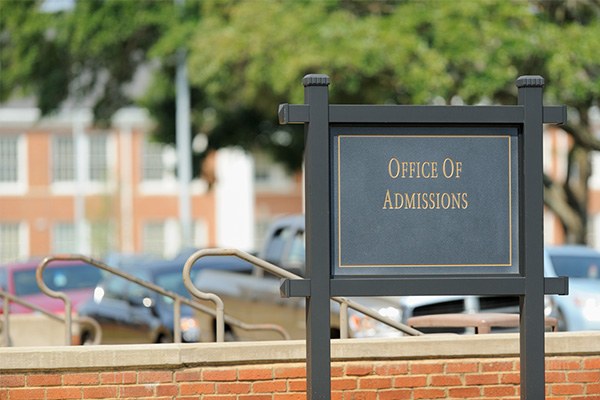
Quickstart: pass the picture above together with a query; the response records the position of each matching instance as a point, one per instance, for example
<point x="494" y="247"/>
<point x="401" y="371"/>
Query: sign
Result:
<point x="425" y="200"/>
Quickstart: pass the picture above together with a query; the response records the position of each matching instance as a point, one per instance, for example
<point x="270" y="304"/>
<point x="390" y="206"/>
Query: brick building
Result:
<point x="68" y="187"/>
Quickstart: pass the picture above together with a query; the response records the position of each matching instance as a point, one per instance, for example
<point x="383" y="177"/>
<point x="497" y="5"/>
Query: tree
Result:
<point x="246" y="57"/>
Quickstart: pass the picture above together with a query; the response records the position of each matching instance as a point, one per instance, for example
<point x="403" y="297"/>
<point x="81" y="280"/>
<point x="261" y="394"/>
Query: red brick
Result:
<point x="255" y="397"/>
<point x="567" y="389"/>
<point x="445" y="380"/>
<point x="105" y="392"/>
<point x="429" y="393"/>
<point x="255" y="374"/>
<point x="593" y="389"/>
<point x="89" y="378"/>
<point x="410" y="381"/>
<point x="269" y="386"/>
<point x="137" y="391"/>
<point x="498" y="391"/>
<point x="289" y="396"/>
<point x="561" y="364"/>
<point x="12" y="380"/>
<point x="497" y="366"/>
<point x="118" y="377"/>
<point x="155" y="376"/>
<point x="27" y="394"/>
<point x="337" y="395"/>
<point x="395" y="394"/>
<point x="219" y="375"/>
<point x="63" y="393"/>
<point x="555" y="377"/>
<point x="584" y="376"/>
<point x="359" y="369"/>
<point x="168" y="389"/>
<point x="426" y="368"/>
<point x="464" y="392"/>
<point x="456" y="367"/>
<point x="375" y="383"/>
<point x="591" y="363"/>
<point x="343" y="384"/>
<point x="393" y="369"/>
<point x="233" y="388"/>
<point x="217" y="397"/>
<point x="511" y="378"/>
<point x="188" y="375"/>
<point x="3" y="394"/>
<point x="290" y="372"/>
<point x="196" y="388"/>
<point x="481" y="379"/>
<point x="300" y="385"/>
<point x="44" y="380"/>
<point x="337" y="371"/>
<point x="360" y="395"/>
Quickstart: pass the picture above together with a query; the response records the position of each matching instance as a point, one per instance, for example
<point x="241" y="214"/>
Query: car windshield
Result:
<point x="577" y="266"/>
<point x="58" y="278"/>
<point x="173" y="281"/>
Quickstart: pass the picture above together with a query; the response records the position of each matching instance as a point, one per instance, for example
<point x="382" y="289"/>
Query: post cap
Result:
<point x="530" y="81"/>
<point x="315" y="80"/>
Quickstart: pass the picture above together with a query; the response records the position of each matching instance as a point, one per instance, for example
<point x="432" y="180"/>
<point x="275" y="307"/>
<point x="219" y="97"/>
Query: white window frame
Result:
<point x="19" y="186"/>
<point x="90" y="185"/>
<point x="22" y="241"/>
<point x="167" y="183"/>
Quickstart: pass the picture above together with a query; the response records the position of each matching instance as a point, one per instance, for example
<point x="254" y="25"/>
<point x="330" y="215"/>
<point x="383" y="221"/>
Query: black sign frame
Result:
<point x="320" y="284"/>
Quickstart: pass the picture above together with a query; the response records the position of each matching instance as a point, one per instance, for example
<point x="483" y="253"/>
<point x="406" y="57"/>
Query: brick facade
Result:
<point x="457" y="367"/>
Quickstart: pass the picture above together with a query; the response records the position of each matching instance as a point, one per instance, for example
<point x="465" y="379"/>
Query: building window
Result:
<point x="64" y="239"/>
<point x="98" y="158"/>
<point x="13" y="242"/>
<point x="94" y="153"/>
<point x="153" y="168"/>
<point x="12" y="164"/>
<point x="158" y="168"/>
<point x="63" y="159"/>
<point x="153" y="238"/>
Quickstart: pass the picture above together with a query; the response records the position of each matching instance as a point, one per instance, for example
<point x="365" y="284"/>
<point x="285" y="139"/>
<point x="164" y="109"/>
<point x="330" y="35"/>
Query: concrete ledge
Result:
<point x="110" y="357"/>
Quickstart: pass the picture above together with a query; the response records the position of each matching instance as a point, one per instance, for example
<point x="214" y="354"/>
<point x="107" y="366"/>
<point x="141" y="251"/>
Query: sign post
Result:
<point x="423" y="200"/>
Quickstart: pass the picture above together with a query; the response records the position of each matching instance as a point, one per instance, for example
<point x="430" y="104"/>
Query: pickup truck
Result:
<point x="255" y="298"/>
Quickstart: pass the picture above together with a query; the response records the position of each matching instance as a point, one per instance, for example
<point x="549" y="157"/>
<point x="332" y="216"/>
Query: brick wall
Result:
<point x="568" y="376"/>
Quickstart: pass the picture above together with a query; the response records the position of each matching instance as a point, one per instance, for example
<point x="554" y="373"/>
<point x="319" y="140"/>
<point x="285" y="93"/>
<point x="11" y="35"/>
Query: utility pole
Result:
<point x="183" y="139"/>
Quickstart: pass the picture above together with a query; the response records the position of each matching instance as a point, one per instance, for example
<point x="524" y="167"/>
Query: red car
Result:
<point x="75" y="278"/>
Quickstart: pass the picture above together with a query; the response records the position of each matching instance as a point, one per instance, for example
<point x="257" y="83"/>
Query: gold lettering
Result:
<point x="393" y="161"/>
<point x="387" y="203"/>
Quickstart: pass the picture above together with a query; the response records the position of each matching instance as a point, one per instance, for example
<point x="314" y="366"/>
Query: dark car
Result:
<point x="130" y="313"/>
<point x="75" y="278"/>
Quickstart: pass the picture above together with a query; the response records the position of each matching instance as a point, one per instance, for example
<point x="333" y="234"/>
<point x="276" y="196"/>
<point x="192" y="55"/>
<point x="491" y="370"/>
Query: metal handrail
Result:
<point x="282" y="273"/>
<point x="177" y="299"/>
<point x="7" y="298"/>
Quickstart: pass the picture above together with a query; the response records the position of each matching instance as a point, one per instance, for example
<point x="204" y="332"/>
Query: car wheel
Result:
<point x="86" y="338"/>
<point x="163" y="339"/>
<point x="562" y="322"/>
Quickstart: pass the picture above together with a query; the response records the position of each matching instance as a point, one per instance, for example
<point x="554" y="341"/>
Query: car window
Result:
<point x="115" y="287"/>
<point x="276" y="246"/>
<point x="577" y="266"/>
<point x="58" y="277"/>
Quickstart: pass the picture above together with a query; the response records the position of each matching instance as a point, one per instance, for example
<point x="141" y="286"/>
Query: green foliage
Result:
<point x="245" y="57"/>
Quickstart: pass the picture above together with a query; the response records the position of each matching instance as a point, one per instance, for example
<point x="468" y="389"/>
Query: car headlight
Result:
<point x="190" y="330"/>
<point x="589" y="305"/>
<point x="364" y="326"/>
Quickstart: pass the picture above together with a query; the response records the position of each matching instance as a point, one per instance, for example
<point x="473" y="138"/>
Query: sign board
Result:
<point x="425" y="200"/>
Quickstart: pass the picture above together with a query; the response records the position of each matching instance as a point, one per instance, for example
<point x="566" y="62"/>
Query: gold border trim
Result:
<point x="339" y="217"/>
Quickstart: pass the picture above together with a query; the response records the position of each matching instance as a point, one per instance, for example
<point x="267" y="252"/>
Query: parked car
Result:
<point x="580" y="310"/>
<point x="130" y="313"/>
<point x="75" y="278"/>
<point x="256" y="298"/>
